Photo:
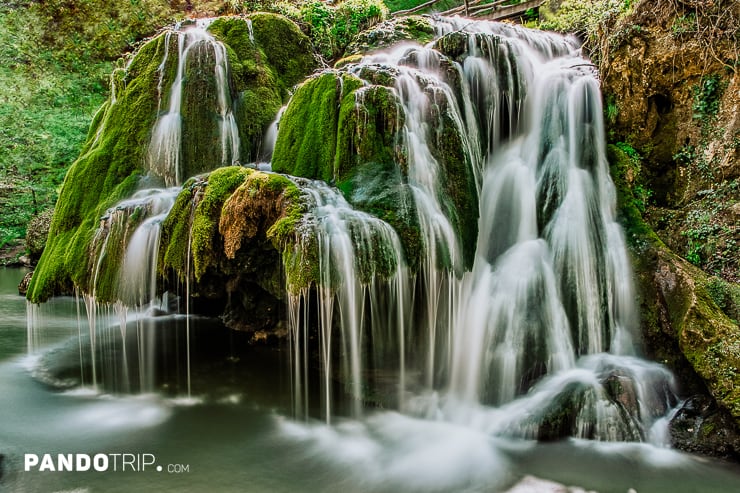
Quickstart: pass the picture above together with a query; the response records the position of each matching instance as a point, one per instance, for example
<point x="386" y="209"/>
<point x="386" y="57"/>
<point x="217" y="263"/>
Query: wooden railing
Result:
<point x="476" y="8"/>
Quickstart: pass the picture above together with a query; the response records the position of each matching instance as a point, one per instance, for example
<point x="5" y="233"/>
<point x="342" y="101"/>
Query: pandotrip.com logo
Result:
<point x="117" y="462"/>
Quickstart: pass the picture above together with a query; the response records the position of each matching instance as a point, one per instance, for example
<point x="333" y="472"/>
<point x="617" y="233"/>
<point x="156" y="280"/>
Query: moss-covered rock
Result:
<point x="408" y="28"/>
<point x="231" y="235"/>
<point x="346" y="133"/>
<point x="114" y="157"/>
<point x="681" y="324"/>
<point x="106" y="172"/>
<point x="307" y="142"/>
<point x="268" y="55"/>
<point x="348" y="130"/>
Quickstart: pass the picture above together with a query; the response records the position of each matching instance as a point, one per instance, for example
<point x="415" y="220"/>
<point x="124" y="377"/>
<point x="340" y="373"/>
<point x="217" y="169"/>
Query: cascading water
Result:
<point x="352" y="247"/>
<point x="165" y="148"/>
<point x="126" y="245"/>
<point x="487" y="323"/>
<point x="539" y="327"/>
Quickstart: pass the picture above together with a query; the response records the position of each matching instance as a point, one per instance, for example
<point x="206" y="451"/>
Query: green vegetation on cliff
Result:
<point x="344" y="132"/>
<point x="683" y="326"/>
<point x="265" y="64"/>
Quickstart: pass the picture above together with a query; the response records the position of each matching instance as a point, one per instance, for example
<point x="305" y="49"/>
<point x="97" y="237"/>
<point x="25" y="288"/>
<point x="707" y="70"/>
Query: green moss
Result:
<point x="682" y="324"/>
<point x="260" y="224"/>
<point x="307" y="141"/>
<point x="263" y="70"/>
<point x="105" y="173"/>
<point x="288" y="50"/>
<point x="175" y="235"/>
<point x="460" y="193"/>
<point x="206" y="244"/>
<point x="624" y="169"/>
<point x="409" y="28"/>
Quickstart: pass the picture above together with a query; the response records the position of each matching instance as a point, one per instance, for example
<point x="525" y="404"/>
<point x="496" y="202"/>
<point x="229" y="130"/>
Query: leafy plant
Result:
<point x="685" y="24"/>
<point x="707" y="96"/>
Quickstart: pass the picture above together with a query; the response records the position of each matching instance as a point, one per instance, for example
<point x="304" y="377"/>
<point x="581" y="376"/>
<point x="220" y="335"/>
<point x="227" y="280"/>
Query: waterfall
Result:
<point x="352" y="248"/>
<point x="515" y="311"/>
<point x="164" y="157"/>
<point x="533" y="337"/>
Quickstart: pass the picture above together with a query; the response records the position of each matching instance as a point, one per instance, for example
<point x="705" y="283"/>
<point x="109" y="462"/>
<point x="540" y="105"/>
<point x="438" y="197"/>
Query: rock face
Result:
<point x="671" y="91"/>
<point x="699" y="426"/>
<point x="671" y="88"/>
<point x="37" y="233"/>
<point x="682" y="326"/>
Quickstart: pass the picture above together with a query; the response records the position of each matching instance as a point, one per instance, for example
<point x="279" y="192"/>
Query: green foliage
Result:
<point x="726" y="295"/>
<point x="582" y="16"/>
<point x="81" y="29"/>
<point x="711" y="242"/>
<point x="333" y="27"/>
<point x="684" y="24"/>
<point x="707" y="97"/>
<point x="45" y="109"/>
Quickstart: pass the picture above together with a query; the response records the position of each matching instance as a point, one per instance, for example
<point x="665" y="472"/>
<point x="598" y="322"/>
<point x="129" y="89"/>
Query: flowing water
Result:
<point x="165" y="148"/>
<point x="237" y="433"/>
<point x="514" y="363"/>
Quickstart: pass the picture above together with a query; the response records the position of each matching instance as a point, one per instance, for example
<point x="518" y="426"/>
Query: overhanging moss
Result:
<point x="113" y="158"/>
<point x="206" y="243"/>
<point x="307" y="142"/>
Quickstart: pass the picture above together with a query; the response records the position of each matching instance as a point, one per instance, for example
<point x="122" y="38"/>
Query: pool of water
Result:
<point x="235" y="431"/>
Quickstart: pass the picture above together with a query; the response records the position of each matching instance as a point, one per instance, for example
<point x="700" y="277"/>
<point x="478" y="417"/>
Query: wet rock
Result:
<point x="531" y="484"/>
<point x="622" y="390"/>
<point x="701" y="427"/>
<point x="408" y="28"/>
<point x="23" y="286"/>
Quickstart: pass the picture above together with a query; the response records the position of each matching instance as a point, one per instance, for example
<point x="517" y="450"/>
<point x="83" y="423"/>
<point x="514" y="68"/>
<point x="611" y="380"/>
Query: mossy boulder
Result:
<point x="347" y="127"/>
<point x="227" y="235"/>
<point x="268" y="55"/>
<point x="107" y="171"/>
<point x="349" y="134"/>
<point x="115" y="157"/>
<point x="412" y="28"/>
